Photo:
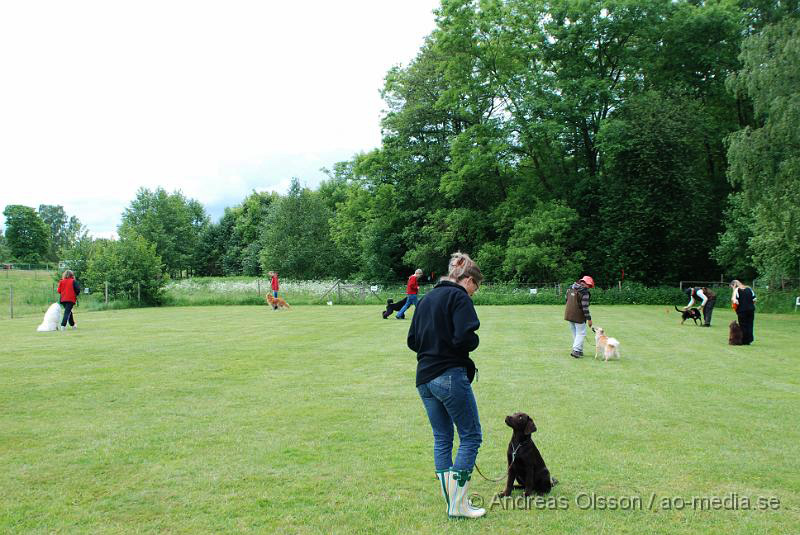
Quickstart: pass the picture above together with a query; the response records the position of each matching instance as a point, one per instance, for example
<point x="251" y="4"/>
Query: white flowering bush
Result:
<point x="248" y="290"/>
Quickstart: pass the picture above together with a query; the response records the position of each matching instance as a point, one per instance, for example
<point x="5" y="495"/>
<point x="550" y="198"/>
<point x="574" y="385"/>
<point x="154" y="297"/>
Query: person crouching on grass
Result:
<point x="442" y="333"/>
<point x="69" y="289"/>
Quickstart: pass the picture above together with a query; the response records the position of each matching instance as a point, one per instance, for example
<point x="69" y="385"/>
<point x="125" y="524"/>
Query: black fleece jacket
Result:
<point x="442" y="332"/>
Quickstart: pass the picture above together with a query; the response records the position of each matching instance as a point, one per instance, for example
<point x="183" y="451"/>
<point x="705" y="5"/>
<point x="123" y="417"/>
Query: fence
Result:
<point x="782" y="284"/>
<point x="30" y="292"/>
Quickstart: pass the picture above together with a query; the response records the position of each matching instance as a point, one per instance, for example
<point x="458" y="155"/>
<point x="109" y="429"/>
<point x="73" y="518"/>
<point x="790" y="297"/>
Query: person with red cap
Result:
<point x="577" y="312"/>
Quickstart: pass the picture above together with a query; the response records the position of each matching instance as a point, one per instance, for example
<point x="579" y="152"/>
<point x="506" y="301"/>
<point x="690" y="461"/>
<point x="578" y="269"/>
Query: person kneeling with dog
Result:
<point x="442" y="333"/>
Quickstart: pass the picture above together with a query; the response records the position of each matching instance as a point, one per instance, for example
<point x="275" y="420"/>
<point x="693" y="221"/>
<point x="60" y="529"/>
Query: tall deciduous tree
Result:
<point x="27" y="236"/>
<point x="765" y="159"/>
<point x="5" y="252"/>
<point x="296" y="236"/>
<point x="656" y="204"/>
<point x="64" y="230"/>
<point x="171" y="222"/>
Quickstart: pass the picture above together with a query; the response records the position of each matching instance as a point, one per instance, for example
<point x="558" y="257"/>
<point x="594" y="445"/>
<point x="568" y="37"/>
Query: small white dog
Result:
<point x="52" y="318"/>
<point x="609" y="347"/>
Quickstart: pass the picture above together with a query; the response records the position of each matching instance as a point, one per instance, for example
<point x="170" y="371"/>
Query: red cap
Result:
<point x="588" y="281"/>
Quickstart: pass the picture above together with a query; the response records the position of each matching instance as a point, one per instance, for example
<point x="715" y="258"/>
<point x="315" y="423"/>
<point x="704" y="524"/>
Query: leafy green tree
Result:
<point x="131" y="267"/>
<point x="5" y="252"/>
<point x="542" y="246"/>
<point x="76" y="257"/>
<point x="655" y="207"/>
<point x="296" y="236"/>
<point x="734" y="252"/>
<point x="169" y="221"/>
<point x="27" y="236"/>
<point x="64" y="230"/>
<point x="764" y="159"/>
<point x="210" y="250"/>
<point x="250" y="217"/>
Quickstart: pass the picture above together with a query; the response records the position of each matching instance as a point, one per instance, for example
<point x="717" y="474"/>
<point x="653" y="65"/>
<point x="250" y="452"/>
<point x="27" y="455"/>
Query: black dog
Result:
<point x="392" y="307"/>
<point x="525" y="463"/>
<point x="735" y="335"/>
<point x="689" y="313"/>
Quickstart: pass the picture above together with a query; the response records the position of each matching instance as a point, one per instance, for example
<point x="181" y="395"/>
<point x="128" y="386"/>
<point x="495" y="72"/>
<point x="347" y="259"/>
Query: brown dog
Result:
<point x="277" y="302"/>
<point x="735" y="335"/>
<point x="525" y="463"/>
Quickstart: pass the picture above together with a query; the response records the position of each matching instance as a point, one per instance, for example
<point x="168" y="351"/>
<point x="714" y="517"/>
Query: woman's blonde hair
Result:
<point x="736" y="283"/>
<point x="68" y="274"/>
<point x="462" y="266"/>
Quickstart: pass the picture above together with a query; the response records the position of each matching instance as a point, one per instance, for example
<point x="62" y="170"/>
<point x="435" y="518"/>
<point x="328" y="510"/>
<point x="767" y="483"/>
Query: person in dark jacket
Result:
<point x="577" y="313"/>
<point x="707" y="300"/>
<point x="69" y="289"/>
<point x="442" y="333"/>
<point x="744" y="302"/>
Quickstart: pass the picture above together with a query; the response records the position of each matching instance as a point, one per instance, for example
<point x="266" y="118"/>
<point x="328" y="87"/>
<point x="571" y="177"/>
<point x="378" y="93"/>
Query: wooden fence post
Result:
<point x="138" y="292"/>
<point x="106" y="293"/>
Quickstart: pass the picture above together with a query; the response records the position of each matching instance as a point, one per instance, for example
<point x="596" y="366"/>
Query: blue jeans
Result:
<point x="448" y="399"/>
<point x="411" y="300"/>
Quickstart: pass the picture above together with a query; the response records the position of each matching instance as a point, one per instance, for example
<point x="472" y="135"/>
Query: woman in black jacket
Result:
<point x="442" y="333"/>
<point x="744" y="301"/>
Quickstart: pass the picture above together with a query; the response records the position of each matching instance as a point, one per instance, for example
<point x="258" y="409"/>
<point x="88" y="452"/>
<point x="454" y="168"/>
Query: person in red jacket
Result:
<point x="69" y="290"/>
<point x="412" y="289"/>
<point x="274" y="282"/>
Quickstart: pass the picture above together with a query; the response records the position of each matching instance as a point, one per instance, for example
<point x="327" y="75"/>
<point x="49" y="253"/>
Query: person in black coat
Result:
<point x="744" y="302"/>
<point x="442" y="334"/>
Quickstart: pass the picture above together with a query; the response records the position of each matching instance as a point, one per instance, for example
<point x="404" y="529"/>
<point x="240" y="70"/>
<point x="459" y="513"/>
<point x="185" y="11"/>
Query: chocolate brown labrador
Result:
<point x="735" y="335"/>
<point x="525" y="463"/>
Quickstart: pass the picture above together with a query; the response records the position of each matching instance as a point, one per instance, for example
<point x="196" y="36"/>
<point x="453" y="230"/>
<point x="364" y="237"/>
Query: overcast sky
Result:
<point x="213" y="98"/>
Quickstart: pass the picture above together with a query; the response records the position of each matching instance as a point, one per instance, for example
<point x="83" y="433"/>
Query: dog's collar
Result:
<point x="514" y="451"/>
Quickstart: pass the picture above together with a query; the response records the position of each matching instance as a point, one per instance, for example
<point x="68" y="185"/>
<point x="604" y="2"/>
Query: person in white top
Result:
<point x="707" y="297"/>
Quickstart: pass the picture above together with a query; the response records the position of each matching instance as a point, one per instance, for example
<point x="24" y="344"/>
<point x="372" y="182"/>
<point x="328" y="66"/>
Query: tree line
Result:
<point x="653" y="140"/>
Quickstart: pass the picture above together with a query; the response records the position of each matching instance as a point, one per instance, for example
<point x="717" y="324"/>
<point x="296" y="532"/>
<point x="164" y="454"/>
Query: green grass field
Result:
<point x="245" y="420"/>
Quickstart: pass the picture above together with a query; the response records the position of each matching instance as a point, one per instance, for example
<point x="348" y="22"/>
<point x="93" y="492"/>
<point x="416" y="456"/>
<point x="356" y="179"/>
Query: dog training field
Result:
<point x="248" y="420"/>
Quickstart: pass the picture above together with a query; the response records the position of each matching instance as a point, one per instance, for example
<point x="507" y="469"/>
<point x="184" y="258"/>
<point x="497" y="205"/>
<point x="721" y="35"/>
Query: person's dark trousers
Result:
<point x="746" y="323"/>
<point x="707" y="310"/>
<point x="67" y="314"/>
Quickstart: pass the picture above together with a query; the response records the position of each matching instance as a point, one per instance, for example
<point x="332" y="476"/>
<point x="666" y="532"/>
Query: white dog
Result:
<point x="605" y="345"/>
<point x="52" y="318"/>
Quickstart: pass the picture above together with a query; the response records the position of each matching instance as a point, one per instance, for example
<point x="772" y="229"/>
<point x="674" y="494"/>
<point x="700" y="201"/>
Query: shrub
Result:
<point x="130" y="266"/>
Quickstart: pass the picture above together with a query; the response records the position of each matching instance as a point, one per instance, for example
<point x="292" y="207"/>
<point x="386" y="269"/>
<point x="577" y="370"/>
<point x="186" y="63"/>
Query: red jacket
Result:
<point x="66" y="287"/>
<point x="274" y="283"/>
<point x="413" y="286"/>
